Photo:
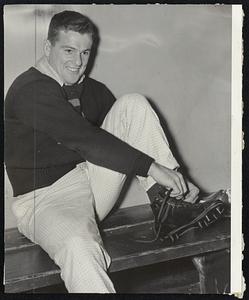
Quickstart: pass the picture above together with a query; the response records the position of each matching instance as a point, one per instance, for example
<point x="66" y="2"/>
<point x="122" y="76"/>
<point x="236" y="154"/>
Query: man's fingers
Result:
<point x="182" y="183"/>
<point x="172" y="184"/>
<point x="191" y="198"/>
<point x="193" y="194"/>
<point x="177" y="187"/>
<point x="180" y="187"/>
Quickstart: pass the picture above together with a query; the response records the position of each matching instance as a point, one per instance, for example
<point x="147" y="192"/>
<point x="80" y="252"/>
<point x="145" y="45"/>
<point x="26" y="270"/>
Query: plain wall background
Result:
<point x="178" y="56"/>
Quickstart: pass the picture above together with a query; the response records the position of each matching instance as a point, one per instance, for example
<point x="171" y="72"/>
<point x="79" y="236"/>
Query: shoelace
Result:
<point x="162" y="217"/>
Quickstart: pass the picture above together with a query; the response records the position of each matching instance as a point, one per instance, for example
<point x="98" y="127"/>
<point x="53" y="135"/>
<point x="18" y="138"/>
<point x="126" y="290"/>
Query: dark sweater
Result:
<point x="46" y="136"/>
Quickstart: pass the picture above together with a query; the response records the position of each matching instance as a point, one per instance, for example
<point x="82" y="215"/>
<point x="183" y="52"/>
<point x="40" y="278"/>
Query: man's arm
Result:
<point x="41" y="105"/>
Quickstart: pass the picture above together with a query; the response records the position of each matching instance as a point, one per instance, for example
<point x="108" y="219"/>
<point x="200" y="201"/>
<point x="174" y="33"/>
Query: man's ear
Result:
<point x="47" y="48"/>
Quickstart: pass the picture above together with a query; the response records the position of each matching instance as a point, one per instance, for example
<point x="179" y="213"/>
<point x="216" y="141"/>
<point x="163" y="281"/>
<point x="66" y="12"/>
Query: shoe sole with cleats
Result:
<point x="205" y="219"/>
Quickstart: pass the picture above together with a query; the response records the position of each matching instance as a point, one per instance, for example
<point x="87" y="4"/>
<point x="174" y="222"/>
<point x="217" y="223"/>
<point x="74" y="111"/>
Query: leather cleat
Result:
<point x="175" y="217"/>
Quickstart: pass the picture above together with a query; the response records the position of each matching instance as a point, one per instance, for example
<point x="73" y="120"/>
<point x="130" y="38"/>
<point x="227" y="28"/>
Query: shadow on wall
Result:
<point x="178" y="156"/>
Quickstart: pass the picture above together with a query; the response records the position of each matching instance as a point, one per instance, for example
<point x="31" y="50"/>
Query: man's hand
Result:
<point x="168" y="178"/>
<point x="173" y="179"/>
<point x="192" y="193"/>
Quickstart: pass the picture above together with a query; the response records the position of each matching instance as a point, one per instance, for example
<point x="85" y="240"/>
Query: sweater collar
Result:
<point x="44" y="67"/>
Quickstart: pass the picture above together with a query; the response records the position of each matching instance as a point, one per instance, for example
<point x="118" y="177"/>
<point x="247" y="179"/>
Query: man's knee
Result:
<point x="83" y="246"/>
<point x="133" y="100"/>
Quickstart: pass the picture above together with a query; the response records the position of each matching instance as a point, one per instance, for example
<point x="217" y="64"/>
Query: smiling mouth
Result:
<point x="74" y="70"/>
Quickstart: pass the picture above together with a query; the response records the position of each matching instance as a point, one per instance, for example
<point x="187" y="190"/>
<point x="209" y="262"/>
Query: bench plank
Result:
<point x="27" y="266"/>
<point x="126" y="252"/>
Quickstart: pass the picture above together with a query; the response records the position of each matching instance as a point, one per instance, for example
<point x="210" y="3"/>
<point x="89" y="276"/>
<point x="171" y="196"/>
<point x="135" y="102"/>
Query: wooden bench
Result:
<point x="28" y="267"/>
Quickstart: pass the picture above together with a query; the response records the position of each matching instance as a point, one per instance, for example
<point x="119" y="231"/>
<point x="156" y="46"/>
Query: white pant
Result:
<point x="61" y="217"/>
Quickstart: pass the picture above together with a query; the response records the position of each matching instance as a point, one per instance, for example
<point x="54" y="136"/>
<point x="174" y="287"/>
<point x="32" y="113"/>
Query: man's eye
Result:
<point x="86" y="53"/>
<point x="68" y="51"/>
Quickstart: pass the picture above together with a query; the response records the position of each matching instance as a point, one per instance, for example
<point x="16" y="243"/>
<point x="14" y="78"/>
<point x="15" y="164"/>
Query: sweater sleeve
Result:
<point x="41" y="105"/>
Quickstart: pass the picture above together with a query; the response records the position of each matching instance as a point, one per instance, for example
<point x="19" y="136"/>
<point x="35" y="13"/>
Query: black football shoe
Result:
<point x="174" y="217"/>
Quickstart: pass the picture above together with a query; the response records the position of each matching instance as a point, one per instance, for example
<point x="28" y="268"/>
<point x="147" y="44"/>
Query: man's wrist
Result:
<point x="153" y="169"/>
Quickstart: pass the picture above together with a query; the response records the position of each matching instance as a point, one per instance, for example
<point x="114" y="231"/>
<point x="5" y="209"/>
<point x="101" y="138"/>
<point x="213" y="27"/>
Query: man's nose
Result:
<point x="78" y="60"/>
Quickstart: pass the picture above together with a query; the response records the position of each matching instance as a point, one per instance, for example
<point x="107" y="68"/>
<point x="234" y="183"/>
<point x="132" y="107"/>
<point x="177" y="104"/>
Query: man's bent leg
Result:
<point x="61" y="219"/>
<point x="133" y="120"/>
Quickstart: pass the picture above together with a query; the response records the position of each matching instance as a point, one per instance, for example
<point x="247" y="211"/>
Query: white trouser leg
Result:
<point x="61" y="219"/>
<point x="133" y="120"/>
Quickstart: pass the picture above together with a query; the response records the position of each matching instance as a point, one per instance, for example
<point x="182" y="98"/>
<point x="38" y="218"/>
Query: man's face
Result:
<point x="69" y="55"/>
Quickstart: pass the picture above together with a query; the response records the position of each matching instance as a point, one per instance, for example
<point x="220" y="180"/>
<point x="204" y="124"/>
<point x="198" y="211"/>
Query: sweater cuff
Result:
<point x="143" y="164"/>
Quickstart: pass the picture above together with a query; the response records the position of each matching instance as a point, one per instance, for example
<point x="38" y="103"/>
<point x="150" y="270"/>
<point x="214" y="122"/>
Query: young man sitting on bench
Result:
<point x="69" y="148"/>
